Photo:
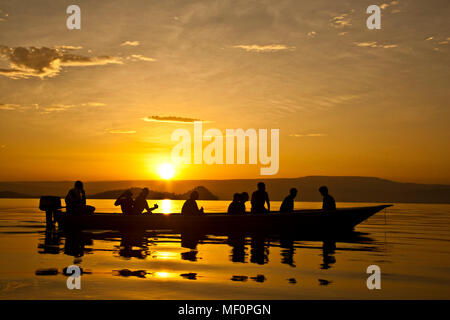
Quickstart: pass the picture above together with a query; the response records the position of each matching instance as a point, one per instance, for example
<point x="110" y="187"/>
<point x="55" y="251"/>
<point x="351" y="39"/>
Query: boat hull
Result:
<point x="306" y="221"/>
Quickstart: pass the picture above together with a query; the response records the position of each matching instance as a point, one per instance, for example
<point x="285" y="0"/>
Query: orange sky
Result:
<point x="347" y="100"/>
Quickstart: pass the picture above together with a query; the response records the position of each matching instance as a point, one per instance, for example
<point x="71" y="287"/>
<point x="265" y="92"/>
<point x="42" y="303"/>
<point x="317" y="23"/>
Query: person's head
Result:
<point x="261" y="186"/>
<point x="293" y="192"/>
<point x="323" y="190"/>
<point x="194" y="195"/>
<point x="78" y="185"/>
<point x="237" y="197"/>
<point x="144" y="193"/>
<point x="128" y="193"/>
<point x="244" y="197"/>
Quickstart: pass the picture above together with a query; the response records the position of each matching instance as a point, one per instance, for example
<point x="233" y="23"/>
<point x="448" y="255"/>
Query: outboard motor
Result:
<point x="50" y="204"/>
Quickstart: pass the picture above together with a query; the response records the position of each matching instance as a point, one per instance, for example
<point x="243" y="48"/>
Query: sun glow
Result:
<point x="166" y="171"/>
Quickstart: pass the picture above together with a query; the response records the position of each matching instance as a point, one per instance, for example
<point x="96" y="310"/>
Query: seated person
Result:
<point x="76" y="201"/>
<point x="235" y="207"/>
<point x="244" y="199"/>
<point x="288" y="203"/>
<point x="126" y="202"/>
<point x="259" y="199"/>
<point x="190" y="206"/>
<point x="140" y="203"/>
<point x="328" y="201"/>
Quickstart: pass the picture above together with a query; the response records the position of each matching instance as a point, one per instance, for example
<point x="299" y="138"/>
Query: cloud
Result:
<point x="46" y="62"/>
<point x="55" y="108"/>
<point x="312" y="34"/>
<point x="69" y="47"/>
<point x="93" y="104"/>
<point x="299" y="135"/>
<point x="387" y="5"/>
<point x="343" y="20"/>
<point x="265" y="48"/>
<point x="136" y="57"/>
<point x="117" y="131"/>
<point x="374" y="44"/>
<point x="130" y="43"/>
<point x="4" y="106"/>
<point x="170" y="119"/>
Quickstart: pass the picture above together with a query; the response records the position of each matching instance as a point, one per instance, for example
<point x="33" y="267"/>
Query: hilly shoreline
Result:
<point x="344" y="189"/>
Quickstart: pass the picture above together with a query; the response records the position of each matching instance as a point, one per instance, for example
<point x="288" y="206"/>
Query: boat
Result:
<point x="300" y="221"/>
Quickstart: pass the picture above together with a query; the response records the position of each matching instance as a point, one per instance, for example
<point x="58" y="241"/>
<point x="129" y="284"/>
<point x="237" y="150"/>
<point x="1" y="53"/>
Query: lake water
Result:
<point x="410" y="243"/>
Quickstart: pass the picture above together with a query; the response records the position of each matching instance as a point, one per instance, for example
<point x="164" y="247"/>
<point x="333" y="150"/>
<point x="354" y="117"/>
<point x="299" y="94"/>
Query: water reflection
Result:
<point x="244" y="248"/>
<point x="137" y="244"/>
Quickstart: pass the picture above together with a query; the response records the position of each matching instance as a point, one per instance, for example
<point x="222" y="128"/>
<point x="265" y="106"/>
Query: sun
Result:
<point x="166" y="171"/>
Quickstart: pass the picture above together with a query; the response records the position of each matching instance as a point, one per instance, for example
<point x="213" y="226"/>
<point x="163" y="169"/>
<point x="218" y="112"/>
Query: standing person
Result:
<point x="328" y="201"/>
<point x="259" y="199"/>
<point x="190" y="207"/>
<point x="140" y="203"/>
<point x="76" y="200"/>
<point x="288" y="203"/>
<point x="235" y="206"/>
<point x="126" y="202"/>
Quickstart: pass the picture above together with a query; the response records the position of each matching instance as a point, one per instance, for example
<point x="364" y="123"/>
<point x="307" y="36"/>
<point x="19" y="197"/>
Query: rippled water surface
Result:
<point x="410" y="243"/>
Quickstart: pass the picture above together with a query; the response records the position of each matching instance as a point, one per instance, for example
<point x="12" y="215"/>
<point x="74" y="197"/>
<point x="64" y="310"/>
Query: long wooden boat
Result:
<point x="306" y="221"/>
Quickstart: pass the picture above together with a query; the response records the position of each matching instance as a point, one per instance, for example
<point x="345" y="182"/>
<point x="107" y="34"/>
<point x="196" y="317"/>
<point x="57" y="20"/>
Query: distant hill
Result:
<point x="204" y="194"/>
<point x="344" y="189"/>
<point x="14" y="195"/>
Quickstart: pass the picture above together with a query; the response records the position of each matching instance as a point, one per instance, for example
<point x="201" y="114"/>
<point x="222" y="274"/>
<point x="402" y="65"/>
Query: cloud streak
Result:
<point x="374" y="44"/>
<point x="265" y="48"/>
<point x="170" y="119"/>
<point x="299" y="135"/>
<point x="46" y="62"/>
<point x="139" y="57"/>
<point x="118" y="131"/>
<point x="130" y="43"/>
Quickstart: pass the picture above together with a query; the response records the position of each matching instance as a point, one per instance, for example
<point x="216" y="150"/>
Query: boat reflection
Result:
<point x="245" y="248"/>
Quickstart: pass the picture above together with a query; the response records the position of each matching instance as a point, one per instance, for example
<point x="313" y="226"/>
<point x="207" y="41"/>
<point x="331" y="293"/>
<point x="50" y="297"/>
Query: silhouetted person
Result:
<point x="235" y="206"/>
<point x="190" y="206"/>
<point x="288" y="203"/>
<point x="328" y="201"/>
<point x="244" y="199"/>
<point x="140" y="203"/>
<point x="76" y="200"/>
<point x="259" y="199"/>
<point x="126" y="202"/>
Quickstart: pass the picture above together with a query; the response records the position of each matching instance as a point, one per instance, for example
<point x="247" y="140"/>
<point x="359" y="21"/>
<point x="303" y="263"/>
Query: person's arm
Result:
<point x="146" y="206"/>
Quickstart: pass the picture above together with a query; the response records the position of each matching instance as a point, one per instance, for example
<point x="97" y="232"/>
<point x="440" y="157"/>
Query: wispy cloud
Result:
<point x="374" y="44"/>
<point x="312" y="34"/>
<point x="93" y="104"/>
<point x="46" y="62"/>
<point x="130" y="43"/>
<point x="118" y="131"/>
<point x="5" y="106"/>
<point x="137" y="57"/>
<point x="68" y="48"/>
<point x="387" y="5"/>
<point x="264" y="48"/>
<point x="303" y="135"/>
<point x="342" y="20"/>
<point x="55" y="108"/>
<point x="170" y="119"/>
